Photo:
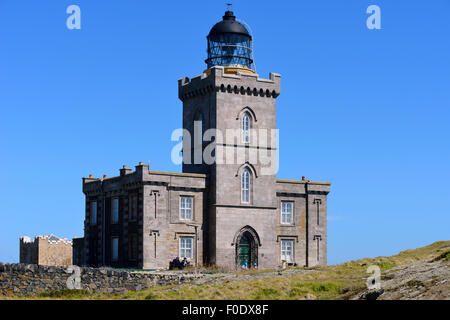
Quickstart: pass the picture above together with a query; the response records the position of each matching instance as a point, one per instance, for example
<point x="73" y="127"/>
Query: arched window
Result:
<point x="246" y="128"/>
<point x="245" y="186"/>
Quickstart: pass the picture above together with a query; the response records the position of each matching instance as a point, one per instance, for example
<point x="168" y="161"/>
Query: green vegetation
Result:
<point x="415" y="283"/>
<point x="385" y="265"/>
<point x="444" y="257"/>
<point x="322" y="282"/>
<point x="64" y="294"/>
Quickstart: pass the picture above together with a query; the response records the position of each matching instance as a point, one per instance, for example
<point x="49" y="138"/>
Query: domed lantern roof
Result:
<point x="228" y="25"/>
<point x="230" y="45"/>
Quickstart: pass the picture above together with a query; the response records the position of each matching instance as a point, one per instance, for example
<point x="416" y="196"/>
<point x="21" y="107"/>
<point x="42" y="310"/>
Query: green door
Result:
<point x="244" y="251"/>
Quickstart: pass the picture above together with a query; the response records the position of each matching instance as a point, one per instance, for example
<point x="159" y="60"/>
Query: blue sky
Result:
<point x="368" y="110"/>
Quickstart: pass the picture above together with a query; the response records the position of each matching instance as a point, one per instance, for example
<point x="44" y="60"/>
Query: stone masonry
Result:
<point x="46" y="250"/>
<point x="219" y="219"/>
<point x="240" y="214"/>
<point x="30" y="279"/>
<point x="157" y="226"/>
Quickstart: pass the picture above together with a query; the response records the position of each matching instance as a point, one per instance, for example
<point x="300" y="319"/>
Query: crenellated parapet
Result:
<point x="46" y="250"/>
<point x="216" y="80"/>
<point x="51" y="239"/>
<point x="130" y="180"/>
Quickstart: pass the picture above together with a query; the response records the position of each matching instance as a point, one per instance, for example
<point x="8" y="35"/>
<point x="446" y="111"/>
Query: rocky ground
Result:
<point x="220" y="278"/>
<point x="414" y="274"/>
<point x="423" y="280"/>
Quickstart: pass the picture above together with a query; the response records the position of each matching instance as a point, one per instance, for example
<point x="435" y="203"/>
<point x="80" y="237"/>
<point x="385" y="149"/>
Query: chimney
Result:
<point x="90" y="179"/>
<point x="303" y="178"/>
<point x="142" y="169"/>
<point x="105" y="176"/>
<point x="124" y="171"/>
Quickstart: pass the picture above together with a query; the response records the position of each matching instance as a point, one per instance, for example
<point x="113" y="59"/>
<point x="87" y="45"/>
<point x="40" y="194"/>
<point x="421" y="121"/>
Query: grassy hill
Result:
<point x="343" y="281"/>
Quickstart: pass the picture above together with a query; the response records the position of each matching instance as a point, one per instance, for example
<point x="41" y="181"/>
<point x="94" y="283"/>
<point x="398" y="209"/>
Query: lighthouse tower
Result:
<point x="230" y="113"/>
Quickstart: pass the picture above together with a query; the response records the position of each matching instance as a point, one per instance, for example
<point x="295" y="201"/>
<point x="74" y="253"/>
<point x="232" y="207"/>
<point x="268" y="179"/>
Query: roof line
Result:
<point x="303" y="181"/>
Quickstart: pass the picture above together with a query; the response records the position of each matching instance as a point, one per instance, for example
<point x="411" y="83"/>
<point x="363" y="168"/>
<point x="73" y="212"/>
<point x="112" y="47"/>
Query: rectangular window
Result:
<point x="186" y="208"/>
<point x="115" y="210"/>
<point x="93" y="212"/>
<point x="133" y="207"/>
<point x="287" y="250"/>
<point x="114" y="249"/>
<point x="133" y="247"/>
<point x="287" y="212"/>
<point x="186" y="247"/>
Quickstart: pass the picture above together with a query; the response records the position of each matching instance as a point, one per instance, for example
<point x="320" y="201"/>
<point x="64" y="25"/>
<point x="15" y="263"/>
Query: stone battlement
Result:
<point x="130" y="179"/>
<point x="240" y="83"/>
<point x="46" y="250"/>
<point x="52" y="239"/>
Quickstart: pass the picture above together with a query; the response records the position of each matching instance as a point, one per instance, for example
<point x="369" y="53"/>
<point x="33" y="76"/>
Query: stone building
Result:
<point x="78" y="257"/>
<point x="227" y="207"/>
<point x="46" y="250"/>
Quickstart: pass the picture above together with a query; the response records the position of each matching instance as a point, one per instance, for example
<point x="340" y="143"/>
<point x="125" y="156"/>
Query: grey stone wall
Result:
<point x="222" y="99"/>
<point x="220" y="215"/>
<point x="163" y="229"/>
<point x="46" y="250"/>
<point x="30" y="279"/>
<point x="158" y="225"/>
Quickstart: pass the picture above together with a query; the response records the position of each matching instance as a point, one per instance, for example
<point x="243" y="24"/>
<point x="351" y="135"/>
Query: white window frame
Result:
<point x="245" y="186"/>
<point x="285" y="214"/>
<point x="114" y="210"/>
<point x="186" y="212"/>
<point x="246" y="120"/>
<point x="114" y="249"/>
<point x="184" y="248"/>
<point x="93" y="215"/>
<point x="287" y="246"/>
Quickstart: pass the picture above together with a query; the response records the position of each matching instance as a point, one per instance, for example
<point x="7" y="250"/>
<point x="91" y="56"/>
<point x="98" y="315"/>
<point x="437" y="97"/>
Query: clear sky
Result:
<point x="368" y="110"/>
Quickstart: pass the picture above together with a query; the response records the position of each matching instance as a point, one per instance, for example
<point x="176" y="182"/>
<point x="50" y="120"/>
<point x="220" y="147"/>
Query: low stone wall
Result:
<point x="30" y="279"/>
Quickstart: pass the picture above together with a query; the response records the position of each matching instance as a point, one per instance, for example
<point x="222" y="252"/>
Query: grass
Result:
<point x="323" y="282"/>
<point x="415" y="283"/>
<point x="443" y="257"/>
<point x="64" y="294"/>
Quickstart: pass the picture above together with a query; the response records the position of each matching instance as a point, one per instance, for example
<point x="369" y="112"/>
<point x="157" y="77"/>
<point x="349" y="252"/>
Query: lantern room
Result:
<point x="230" y="45"/>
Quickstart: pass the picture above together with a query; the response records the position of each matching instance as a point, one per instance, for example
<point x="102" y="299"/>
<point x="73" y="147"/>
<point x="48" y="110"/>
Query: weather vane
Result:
<point x="229" y="6"/>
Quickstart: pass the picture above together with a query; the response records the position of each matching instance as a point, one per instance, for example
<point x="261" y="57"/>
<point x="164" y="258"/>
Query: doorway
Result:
<point x="245" y="251"/>
<point x="246" y="242"/>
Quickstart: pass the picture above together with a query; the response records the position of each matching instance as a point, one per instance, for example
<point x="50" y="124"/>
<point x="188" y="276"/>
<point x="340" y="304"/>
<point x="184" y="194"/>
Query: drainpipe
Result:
<point x="307" y="223"/>
<point x="196" y="242"/>
<point x="103" y="226"/>
<point x="196" y="247"/>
